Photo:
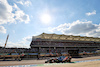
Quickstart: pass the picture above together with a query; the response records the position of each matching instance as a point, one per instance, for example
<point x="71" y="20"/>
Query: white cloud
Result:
<point x="2" y="29"/>
<point x="78" y="27"/>
<point x="20" y="15"/>
<point x="25" y="43"/>
<point x="11" y="14"/>
<point x="11" y="44"/>
<point x="28" y="38"/>
<point x="59" y="28"/>
<point x="91" y="13"/>
<point x="6" y="14"/>
<point x="23" y="2"/>
<point x="95" y="33"/>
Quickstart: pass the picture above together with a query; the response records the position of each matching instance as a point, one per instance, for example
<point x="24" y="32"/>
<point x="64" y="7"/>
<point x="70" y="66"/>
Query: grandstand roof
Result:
<point x="67" y="37"/>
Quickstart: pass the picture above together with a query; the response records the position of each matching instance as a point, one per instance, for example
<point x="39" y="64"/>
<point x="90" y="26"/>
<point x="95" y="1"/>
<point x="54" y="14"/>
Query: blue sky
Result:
<point x="22" y="19"/>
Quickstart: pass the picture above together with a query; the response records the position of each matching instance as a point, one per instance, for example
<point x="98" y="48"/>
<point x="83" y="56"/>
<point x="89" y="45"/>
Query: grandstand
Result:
<point x="54" y="43"/>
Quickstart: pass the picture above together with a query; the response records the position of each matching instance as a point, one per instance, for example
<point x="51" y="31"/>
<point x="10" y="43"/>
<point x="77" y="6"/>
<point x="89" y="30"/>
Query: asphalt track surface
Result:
<point x="41" y="63"/>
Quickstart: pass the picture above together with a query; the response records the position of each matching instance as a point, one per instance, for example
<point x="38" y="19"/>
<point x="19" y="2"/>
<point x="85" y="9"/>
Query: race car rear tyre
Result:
<point x="51" y="61"/>
<point x="46" y="61"/>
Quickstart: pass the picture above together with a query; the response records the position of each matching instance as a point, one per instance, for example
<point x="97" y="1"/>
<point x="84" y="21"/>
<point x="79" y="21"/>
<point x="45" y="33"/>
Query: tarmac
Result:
<point x="77" y="62"/>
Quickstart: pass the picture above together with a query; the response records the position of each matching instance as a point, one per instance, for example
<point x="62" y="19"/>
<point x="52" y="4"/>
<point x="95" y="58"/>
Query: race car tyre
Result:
<point x="51" y="61"/>
<point x="46" y="61"/>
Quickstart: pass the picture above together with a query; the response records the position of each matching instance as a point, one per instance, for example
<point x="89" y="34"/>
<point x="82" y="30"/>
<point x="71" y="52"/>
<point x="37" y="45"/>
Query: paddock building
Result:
<point x="54" y="43"/>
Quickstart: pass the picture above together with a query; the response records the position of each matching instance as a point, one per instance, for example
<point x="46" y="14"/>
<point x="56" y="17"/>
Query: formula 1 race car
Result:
<point x="61" y="59"/>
